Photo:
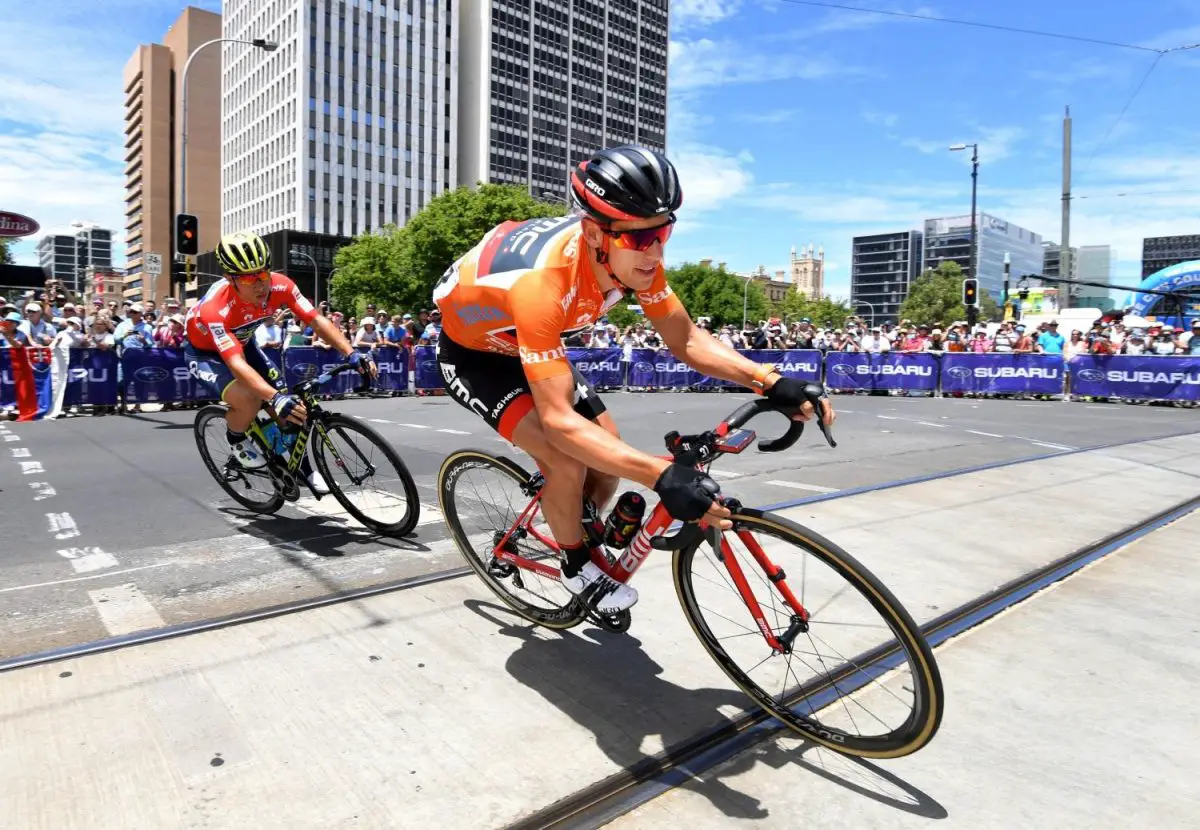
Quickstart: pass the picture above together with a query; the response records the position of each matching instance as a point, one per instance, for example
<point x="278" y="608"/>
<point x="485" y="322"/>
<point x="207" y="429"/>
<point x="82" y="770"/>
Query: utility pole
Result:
<point x="1064" y="251"/>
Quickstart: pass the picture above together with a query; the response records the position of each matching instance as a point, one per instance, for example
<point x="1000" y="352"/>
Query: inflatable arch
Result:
<point x="1172" y="278"/>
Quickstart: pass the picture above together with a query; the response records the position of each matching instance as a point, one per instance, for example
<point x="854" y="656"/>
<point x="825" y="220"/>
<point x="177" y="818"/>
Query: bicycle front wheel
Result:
<point x="366" y="475"/>
<point x="858" y="676"/>
<point x="253" y="489"/>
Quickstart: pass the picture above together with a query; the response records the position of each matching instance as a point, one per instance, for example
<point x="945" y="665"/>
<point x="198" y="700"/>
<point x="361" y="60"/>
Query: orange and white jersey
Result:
<point x="524" y="286"/>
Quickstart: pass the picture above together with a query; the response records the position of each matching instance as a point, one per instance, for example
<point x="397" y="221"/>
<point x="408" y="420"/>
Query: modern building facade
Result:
<point x="1052" y="261"/>
<point x="883" y="268"/>
<point x="67" y="254"/>
<point x="349" y="125"/>
<point x="153" y="134"/>
<point x="1159" y="252"/>
<point x="544" y="84"/>
<point x="949" y="238"/>
<point x="808" y="272"/>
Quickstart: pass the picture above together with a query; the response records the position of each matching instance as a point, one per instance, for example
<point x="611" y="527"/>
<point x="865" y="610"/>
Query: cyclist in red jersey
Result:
<point x="223" y="356"/>
<point x="505" y="306"/>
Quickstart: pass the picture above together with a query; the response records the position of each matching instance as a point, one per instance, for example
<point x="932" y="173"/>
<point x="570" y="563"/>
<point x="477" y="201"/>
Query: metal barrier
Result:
<point x="42" y="382"/>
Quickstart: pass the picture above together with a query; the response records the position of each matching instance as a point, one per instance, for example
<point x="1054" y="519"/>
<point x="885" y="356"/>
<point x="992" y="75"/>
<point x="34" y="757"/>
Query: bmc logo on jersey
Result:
<point x="529" y="356"/>
<point x="595" y="188"/>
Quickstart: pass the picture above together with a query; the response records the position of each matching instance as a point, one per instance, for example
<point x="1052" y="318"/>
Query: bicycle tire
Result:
<point x="928" y="697"/>
<point x="570" y="614"/>
<point x="401" y="527"/>
<point x="206" y="414"/>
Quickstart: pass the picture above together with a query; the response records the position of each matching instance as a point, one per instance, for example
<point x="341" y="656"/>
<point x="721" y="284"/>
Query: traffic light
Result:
<point x="179" y="272"/>
<point x="187" y="234"/>
<point x="970" y="292"/>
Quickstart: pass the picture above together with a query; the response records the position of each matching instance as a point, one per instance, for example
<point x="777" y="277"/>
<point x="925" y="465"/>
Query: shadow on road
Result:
<point x="608" y="684"/>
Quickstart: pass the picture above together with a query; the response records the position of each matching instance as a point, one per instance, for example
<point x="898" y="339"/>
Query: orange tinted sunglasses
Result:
<point x="641" y="240"/>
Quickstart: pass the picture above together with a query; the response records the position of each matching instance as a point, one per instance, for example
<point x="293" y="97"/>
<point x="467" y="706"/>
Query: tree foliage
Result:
<point x="822" y="311"/>
<point x="398" y="267"/>
<point x="621" y="316"/>
<point x="6" y="257"/>
<point x="716" y="293"/>
<point x="936" y="298"/>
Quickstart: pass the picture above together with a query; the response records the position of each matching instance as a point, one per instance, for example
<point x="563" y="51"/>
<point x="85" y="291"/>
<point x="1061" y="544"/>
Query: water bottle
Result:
<point x="624" y="521"/>
<point x="275" y="439"/>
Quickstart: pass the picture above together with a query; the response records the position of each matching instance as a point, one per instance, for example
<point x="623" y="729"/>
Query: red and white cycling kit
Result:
<point x="222" y="322"/>
<point x="506" y="305"/>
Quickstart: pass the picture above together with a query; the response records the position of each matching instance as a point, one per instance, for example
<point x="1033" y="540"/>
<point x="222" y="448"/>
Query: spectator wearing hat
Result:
<point x="954" y="341"/>
<point x="37" y="330"/>
<point x="876" y="342"/>
<point x="1163" y="343"/>
<point x="980" y="344"/>
<point x="170" y="336"/>
<point x="1135" y="343"/>
<point x="1050" y="341"/>
<point x="11" y="334"/>
<point x="1189" y="342"/>
<point x="72" y="334"/>
<point x="433" y="330"/>
<point x="935" y="344"/>
<point x="367" y="335"/>
<point x="1024" y="343"/>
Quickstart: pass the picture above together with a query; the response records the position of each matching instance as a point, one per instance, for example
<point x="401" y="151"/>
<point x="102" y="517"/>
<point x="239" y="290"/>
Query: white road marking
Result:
<point x="29" y="468"/>
<point x="1052" y="446"/>
<point x="20" y="452"/>
<point x="988" y="434"/>
<point x="816" y="488"/>
<point x="455" y="431"/>
<point x="88" y="559"/>
<point x="379" y="420"/>
<point x="931" y="424"/>
<point x="414" y="426"/>
<point x="82" y="578"/>
<point x="8" y="436"/>
<point x="723" y="474"/>
<point x="124" y="609"/>
<point x="45" y="492"/>
<point x="62" y="525"/>
<point x="889" y="417"/>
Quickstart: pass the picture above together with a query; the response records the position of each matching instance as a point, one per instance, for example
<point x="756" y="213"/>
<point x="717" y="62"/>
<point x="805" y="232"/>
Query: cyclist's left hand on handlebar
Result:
<point x="363" y="362"/>
<point x="289" y="408"/>
<point x="789" y="393"/>
<point x="688" y="494"/>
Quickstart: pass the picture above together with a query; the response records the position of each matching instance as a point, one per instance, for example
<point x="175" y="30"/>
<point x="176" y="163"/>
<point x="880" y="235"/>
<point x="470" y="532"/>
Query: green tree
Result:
<point x="936" y="298"/>
<point x="6" y="257"/>
<point x="398" y="267"/>
<point x="716" y="293"/>
<point x="620" y="315"/>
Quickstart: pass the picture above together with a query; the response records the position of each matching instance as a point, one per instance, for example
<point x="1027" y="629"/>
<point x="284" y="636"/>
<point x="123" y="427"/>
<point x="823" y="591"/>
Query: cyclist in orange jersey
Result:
<point x="506" y="306"/>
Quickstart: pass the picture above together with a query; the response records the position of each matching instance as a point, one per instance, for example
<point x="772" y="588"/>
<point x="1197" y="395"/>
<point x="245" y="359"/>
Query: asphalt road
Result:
<point x="113" y="524"/>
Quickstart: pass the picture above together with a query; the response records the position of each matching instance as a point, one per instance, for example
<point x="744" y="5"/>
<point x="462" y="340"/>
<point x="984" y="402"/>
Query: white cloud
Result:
<point x="710" y="177"/>
<point x="995" y="143"/>
<point x="694" y="13"/>
<point x="703" y="63"/>
<point x="779" y="116"/>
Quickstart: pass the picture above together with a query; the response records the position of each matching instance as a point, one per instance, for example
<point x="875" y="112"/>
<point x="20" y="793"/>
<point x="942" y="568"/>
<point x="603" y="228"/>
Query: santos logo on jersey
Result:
<point x="548" y="356"/>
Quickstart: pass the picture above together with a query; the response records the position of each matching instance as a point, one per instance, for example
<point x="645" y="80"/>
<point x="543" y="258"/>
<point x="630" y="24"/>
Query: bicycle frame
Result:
<point x="623" y="569"/>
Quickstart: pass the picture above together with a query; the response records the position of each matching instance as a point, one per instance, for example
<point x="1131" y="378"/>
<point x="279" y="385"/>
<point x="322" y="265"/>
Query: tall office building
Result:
<point x="543" y="85"/>
<point x="349" y="125"/>
<point x="1052" y="261"/>
<point x="153" y="131"/>
<point x="949" y="238"/>
<point x="882" y="269"/>
<point x="67" y="254"/>
<point x="1159" y="252"/>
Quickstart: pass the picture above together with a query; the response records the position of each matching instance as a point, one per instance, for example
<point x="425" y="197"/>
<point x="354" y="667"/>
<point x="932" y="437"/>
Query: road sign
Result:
<point x="154" y="264"/>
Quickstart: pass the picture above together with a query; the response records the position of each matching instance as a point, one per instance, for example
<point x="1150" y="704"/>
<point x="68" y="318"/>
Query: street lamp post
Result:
<point x="974" y="182"/>
<point x="257" y="43"/>
<point x="869" y="305"/>
<point x="316" y="273"/>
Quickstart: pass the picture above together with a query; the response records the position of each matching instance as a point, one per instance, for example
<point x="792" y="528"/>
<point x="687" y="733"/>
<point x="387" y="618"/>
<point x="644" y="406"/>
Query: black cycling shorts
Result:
<point x="214" y="376"/>
<point x="494" y="386"/>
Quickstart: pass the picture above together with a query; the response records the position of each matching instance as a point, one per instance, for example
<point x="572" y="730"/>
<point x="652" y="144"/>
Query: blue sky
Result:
<point x="790" y="124"/>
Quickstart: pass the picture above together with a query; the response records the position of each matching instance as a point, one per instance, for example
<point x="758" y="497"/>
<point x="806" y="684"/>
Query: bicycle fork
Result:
<point x="781" y="644"/>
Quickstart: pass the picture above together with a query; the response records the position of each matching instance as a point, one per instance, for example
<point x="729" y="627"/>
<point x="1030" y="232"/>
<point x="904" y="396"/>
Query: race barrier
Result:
<point x="42" y="382"/>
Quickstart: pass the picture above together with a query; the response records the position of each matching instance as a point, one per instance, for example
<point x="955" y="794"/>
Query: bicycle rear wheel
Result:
<point x="366" y="475"/>
<point x="481" y="497"/>
<point x="874" y="690"/>
<point x="253" y="489"/>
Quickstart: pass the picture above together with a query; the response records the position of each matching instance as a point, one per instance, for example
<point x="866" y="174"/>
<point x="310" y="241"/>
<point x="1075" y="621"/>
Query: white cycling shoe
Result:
<point x="247" y="455"/>
<point x="599" y="590"/>
<point x="317" y="482"/>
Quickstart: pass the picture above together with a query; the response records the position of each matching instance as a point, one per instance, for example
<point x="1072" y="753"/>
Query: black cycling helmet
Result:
<point x="625" y="184"/>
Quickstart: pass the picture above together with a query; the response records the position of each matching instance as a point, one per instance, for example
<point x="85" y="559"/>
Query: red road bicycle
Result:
<point x="812" y="636"/>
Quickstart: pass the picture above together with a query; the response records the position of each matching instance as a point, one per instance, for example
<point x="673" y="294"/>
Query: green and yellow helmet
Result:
<point x="243" y="253"/>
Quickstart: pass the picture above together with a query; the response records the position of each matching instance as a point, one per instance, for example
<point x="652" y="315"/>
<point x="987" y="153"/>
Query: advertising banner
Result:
<point x="602" y="368"/>
<point x="1140" y="377"/>
<point x="427" y="374"/>
<point x="92" y="378"/>
<point x="306" y="362"/>
<point x="157" y="376"/>
<point x="1003" y="374"/>
<point x="915" y="371"/>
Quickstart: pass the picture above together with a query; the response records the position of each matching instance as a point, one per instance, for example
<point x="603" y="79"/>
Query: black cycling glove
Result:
<point x="791" y="393"/>
<point x="686" y="492"/>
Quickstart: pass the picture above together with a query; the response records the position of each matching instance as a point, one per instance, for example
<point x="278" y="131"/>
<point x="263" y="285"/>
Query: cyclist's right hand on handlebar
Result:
<point x="688" y="494"/>
<point x="799" y="395"/>
<point x="289" y="408"/>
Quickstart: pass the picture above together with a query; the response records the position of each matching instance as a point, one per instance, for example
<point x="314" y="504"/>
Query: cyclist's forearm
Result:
<point x="708" y="355"/>
<point x="331" y="334"/>
<point x="600" y="450"/>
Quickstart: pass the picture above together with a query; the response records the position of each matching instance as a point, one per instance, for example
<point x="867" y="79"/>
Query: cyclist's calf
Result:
<point x="243" y="406"/>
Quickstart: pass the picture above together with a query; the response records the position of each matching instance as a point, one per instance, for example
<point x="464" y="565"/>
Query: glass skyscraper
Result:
<point x="949" y="238"/>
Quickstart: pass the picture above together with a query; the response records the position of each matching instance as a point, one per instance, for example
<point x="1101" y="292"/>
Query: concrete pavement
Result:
<point x="436" y="707"/>
<point x="128" y="499"/>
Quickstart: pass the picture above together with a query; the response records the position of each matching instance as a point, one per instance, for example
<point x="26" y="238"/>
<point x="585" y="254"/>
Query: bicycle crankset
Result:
<point x="617" y="623"/>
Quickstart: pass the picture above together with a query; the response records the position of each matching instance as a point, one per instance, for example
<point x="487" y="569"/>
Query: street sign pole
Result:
<point x="153" y="264"/>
